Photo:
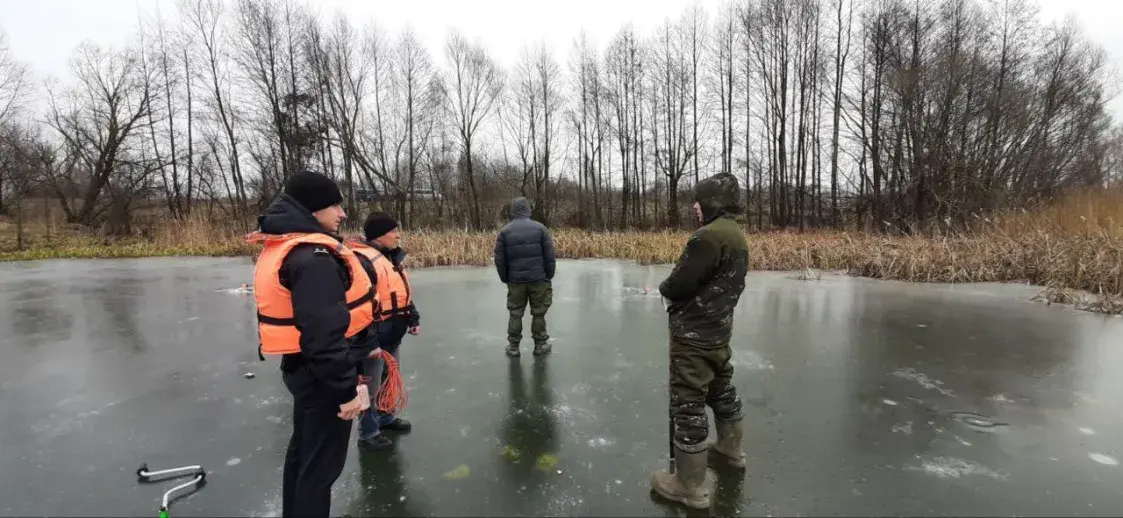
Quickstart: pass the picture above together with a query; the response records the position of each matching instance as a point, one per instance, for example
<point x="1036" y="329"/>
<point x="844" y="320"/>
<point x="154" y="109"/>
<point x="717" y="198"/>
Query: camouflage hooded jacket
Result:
<point x="709" y="277"/>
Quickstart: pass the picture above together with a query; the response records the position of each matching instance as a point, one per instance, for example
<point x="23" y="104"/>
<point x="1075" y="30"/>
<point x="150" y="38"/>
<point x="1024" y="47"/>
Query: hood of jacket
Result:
<point x="718" y="195"/>
<point x="287" y="215"/>
<point x="520" y="208"/>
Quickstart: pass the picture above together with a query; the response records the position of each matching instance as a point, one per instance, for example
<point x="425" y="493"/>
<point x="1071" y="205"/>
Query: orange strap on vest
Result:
<point x="276" y="327"/>
<point x="392" y="284"/>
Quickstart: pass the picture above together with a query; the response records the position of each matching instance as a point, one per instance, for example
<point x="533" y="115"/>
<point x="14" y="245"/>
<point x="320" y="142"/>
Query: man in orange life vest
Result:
<point x="312" y="300"/>
<point x="397" y="315"/>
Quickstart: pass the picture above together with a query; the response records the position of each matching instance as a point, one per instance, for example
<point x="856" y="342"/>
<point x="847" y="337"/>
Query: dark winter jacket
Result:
<point x="709" y="277"/>
<point x="524" y="250"/>
<point x="318" y="281"/>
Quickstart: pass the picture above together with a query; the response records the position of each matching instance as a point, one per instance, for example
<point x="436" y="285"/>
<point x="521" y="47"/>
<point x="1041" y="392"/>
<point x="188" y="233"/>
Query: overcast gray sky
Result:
<point x="44" y="32"/>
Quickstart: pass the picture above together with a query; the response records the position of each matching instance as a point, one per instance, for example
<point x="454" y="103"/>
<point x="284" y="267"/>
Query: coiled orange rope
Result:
<point x="392" y="396"/>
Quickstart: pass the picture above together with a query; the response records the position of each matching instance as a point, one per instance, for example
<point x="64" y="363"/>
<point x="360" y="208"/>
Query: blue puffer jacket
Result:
<point x="524" y="251"/>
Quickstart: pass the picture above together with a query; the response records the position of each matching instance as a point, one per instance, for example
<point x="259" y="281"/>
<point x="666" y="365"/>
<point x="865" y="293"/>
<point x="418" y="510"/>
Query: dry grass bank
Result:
<point x="1076" y="244"/>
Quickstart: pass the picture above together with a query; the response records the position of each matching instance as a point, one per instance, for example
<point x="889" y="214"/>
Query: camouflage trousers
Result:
<point x="700" y="377"/>
<point x="539" y="295"/>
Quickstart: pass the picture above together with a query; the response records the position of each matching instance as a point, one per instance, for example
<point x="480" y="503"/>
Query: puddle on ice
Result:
<point x="271" y="400"/>
<point x="1001" y="398"/>
<point x="1087" y="431"/>
<point x="244" y="289"/>
<point x="923" y="380"/>
<point x="581" y="388"/>
<point x="1103" y="459"/>
<point x="566" y="412"/>
<point x="601" y="442"/>
<point x="751" y="360"/>
<point x="641" y="292"/>
<point x="950" y="467"/>
<point x="903" y="428"/>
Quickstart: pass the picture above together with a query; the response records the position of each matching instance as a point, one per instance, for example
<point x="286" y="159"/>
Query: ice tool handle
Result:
<point x="145" y="476"/>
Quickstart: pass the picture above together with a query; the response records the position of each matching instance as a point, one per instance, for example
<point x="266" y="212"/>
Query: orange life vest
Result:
<point x="392" y="284"/>
<point x="276" y="327"/>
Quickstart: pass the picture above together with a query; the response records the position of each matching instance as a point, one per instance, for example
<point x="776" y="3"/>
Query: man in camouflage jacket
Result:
<point x="703" y="290"/>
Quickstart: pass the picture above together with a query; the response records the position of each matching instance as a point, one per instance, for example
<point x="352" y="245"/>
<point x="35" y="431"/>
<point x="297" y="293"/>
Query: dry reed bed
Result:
<point x="1085" y="262"/>
<point x="1074" y="245"/>
<point x="1081" y="262"/>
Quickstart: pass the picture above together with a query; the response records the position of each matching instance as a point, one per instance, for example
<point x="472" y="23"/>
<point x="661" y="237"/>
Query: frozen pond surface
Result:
<point x="862" y="397"/>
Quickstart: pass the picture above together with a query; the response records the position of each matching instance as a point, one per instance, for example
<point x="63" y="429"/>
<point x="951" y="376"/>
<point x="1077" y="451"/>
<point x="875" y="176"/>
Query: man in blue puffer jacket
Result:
<point x="524" y="259"/>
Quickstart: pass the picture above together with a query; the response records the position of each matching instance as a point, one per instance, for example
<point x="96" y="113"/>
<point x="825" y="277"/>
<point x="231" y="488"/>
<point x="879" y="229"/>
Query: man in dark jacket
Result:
<point x="703" y="290"/>
<point x="524" y="259"/>
<point x="380" y="231"/>
<point x="322" y="377"/>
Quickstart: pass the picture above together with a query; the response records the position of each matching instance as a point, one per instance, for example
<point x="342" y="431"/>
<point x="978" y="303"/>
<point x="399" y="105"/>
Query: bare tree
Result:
<point x="14" y="88"/>
<point x="420" y="90"/>
<point x="842" y="51"/>
<point x="671" y="84"/>
<point x="474" y="83"/>
<point x="203" y="17"/>
<point x="100" y="120"/>
<point x="23" y="155"/>
<point x="343" y="73"/>
<point x="267" y="52"/>
<point x="14" y="80"/>
<point x="916" y="114"/>
<point x="587" y="122"/>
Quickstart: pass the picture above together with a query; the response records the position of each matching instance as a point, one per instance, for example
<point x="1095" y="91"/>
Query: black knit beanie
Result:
<point x="313" y="190"/>
<point x="377" y="225"/>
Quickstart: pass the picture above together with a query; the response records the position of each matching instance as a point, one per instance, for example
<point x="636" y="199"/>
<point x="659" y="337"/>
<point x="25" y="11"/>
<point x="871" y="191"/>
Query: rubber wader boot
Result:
<point x="729" y="448"/>
<point x="688" y="484"/>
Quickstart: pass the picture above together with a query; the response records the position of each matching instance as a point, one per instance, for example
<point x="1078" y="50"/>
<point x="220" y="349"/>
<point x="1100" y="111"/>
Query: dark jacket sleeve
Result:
<point x="500" y="256"/>
<point x="694" y="266"/>
<point x="548" y="253"/>
<point x="319" y="304"/>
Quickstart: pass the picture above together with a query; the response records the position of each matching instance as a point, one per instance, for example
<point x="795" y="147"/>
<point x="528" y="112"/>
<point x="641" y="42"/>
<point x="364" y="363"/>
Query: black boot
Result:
<point x="377" y="443"/>
<point x="397" y="425"/>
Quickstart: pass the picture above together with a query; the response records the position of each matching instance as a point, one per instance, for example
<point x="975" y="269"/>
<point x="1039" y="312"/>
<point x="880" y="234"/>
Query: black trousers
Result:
<point x="317" y="450"/>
